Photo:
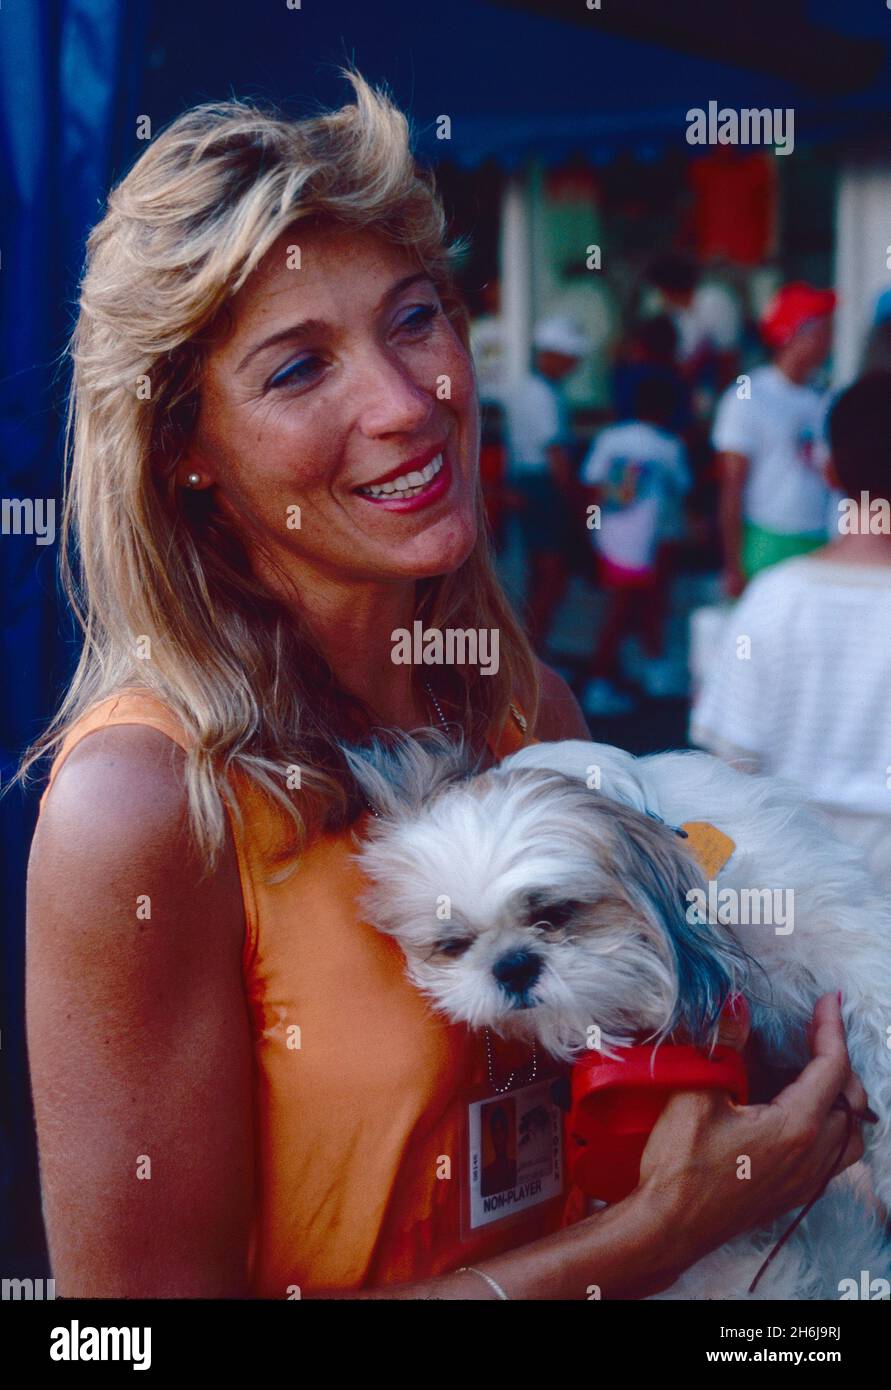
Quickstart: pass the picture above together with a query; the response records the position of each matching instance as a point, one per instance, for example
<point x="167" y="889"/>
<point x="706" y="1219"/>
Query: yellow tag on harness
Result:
<point x="709" y="844"/>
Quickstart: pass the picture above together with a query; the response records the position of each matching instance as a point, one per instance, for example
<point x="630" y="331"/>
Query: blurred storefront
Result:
<point x="576" y="238"/>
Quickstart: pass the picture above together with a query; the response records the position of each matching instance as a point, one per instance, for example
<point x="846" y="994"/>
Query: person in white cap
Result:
<point x="539" y="468"/>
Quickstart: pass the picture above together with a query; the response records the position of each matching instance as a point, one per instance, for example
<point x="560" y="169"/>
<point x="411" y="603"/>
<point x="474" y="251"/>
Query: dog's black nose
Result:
<point x="518" y="971"/>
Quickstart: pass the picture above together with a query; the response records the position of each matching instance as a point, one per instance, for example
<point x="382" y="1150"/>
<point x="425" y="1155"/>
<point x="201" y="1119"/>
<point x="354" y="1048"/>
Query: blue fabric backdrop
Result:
<point x="68" y="70"/>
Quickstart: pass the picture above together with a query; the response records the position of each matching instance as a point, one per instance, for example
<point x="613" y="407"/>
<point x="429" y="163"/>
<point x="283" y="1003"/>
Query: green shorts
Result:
<point x="761" y="548"/>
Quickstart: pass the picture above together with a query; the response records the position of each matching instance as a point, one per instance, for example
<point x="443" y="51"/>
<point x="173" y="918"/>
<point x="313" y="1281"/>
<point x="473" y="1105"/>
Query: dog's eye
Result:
<point x="553" y="916"/>
<point x="454" y="946"/>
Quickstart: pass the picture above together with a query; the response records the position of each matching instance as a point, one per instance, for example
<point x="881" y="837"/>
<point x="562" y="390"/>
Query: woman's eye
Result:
<point x="303" y="369"/>
<point x="419" y="317"/>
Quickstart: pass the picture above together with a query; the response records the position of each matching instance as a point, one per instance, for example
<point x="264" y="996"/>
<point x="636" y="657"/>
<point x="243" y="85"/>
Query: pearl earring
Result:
<point x="193" y="480"/>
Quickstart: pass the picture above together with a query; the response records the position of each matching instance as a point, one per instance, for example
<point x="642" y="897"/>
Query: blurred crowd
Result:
<point x="750" y="473"/>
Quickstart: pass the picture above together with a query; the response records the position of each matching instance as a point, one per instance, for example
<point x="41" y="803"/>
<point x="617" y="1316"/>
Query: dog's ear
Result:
<point x="599" y="766"/>
<point x="662" y="875"/>
<point x="398" y="775"/>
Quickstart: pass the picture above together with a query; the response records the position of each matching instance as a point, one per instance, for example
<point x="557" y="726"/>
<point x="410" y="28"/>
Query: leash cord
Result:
<point x="842" y="1103"/>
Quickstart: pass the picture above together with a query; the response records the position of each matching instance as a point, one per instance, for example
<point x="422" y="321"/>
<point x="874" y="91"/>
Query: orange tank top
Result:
<point x="360" y="1090"/>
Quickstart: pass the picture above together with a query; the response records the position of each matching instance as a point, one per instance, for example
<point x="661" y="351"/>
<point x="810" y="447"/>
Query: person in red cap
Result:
<point x="767" y="432"/>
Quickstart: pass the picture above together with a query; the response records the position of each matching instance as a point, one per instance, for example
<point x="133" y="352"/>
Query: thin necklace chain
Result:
<point x="511" y="1081"/>
<point x="498" y="1087"/>
<point x="436" y="705"/>
<point x="444" y="724"/>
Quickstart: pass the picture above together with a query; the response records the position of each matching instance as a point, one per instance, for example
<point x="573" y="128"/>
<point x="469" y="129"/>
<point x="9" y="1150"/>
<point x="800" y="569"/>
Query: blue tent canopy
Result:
<point x="512" y="82"/>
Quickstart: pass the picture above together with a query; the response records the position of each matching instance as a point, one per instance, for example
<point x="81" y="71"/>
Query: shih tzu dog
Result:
<point x="555" y="892"/>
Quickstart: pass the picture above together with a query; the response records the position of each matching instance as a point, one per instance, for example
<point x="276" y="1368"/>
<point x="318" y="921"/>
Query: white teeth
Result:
<point x="407" y="484"/>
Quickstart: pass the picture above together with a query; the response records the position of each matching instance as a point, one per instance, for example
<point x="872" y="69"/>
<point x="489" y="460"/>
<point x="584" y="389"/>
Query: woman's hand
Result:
<point x="692" y="1168"/>
<point x="692" y="1196"/>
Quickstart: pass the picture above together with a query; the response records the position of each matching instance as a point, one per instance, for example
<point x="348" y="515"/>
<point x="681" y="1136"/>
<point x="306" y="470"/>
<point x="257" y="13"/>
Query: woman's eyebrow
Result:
<point x="284" y="335"/>
<point x="319" y="326"/>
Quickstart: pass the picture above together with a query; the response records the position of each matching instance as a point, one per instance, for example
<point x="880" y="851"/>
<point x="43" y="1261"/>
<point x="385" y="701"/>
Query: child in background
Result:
<point x="808" y="696"/>
<point x="638" y="474"/>
<point x="651" y="351"/>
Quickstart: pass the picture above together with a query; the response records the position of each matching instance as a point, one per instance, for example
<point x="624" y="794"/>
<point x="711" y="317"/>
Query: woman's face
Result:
<point x="343" y="390"/>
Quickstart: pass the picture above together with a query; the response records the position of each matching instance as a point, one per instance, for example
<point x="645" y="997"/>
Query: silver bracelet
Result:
<point x="493" y="1283"/>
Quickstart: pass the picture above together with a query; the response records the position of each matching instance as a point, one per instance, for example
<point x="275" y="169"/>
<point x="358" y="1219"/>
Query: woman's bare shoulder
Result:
<point x="117" y="780"/>
<point x="115" y="823"/>
<point x="559" y="712"/>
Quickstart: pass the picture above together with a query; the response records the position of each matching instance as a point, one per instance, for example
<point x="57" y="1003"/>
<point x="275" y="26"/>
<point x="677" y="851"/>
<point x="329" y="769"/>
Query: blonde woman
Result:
<point x="274" y="468"/>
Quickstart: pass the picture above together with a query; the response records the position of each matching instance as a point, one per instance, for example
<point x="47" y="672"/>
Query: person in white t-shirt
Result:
<point x="638" y="473"/>
<point x="800" y="686"/>
<point x="767" y="433"/>
<point x="539" y="464"/>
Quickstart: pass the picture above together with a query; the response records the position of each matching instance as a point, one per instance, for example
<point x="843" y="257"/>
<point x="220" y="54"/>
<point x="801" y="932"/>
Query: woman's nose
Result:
<point x="395" y="402"/>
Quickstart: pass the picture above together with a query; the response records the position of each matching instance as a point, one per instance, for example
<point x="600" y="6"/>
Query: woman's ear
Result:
<point x="193" y="472"/>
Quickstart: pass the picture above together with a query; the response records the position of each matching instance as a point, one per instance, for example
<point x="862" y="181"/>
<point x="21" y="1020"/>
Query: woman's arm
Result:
<point x="138" y="1038"/>
<point x="141" y="1069"/>
<point x="690" y="1199"/>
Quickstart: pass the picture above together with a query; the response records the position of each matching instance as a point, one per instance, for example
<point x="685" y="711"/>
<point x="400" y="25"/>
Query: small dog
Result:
<point x="572" y="900"/>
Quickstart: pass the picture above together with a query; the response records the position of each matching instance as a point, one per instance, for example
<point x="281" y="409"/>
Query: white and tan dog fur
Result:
<point x="572" y="901"/>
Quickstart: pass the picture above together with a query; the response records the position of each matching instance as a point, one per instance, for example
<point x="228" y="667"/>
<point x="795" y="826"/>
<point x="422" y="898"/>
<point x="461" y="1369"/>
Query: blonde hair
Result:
<point x="181" y="235"/>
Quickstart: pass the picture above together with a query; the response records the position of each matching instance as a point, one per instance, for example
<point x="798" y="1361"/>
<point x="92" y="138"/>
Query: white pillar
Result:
<point x="516" y="276"/>
<point x="862" y="249"/>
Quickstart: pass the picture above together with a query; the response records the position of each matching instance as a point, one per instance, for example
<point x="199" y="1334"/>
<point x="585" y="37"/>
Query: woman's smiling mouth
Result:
<point x="406" y="484"/>
<point x="415" y="486"/>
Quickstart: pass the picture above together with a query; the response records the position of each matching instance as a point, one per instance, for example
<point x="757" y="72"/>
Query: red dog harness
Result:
<point x="616" y="1103"/>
